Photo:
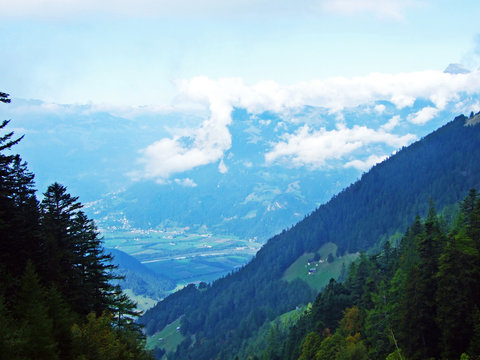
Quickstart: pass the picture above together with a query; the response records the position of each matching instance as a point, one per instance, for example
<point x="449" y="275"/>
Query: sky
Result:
<point x="260" y="55"/>
<point x="136" y="52"/>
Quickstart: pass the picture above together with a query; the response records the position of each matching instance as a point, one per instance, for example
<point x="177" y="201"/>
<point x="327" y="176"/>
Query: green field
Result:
<point x="168" y="339"/>
<point x="324" y="270"/>
<point x="182" y="255"/>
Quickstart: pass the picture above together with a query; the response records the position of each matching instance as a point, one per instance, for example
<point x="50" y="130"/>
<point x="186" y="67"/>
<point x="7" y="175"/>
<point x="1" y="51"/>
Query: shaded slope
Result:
<point x="139" y="278"/>
<point x="442" y="166"/>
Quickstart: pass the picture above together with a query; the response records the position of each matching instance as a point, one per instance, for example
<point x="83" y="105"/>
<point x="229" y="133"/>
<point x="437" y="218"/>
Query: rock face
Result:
<point x="456" y="69"/>
<point x="474" y="120"/>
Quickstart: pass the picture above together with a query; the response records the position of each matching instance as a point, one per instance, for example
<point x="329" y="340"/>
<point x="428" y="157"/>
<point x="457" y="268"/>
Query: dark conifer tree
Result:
<point x="9" y="337"/>
<point x="81" y="263"/>
<point x="19" y="217"/>
<point x="473" y="227"/>
<point x="35" y="326"/>
<point x="474" y="346"/>
<point x="62" y="319"/>
<point x="458" y="280"/>
<point x="18" y="208"/>
<point x="408" y="255"/>
<point x="468" y="204"/>
<point x="58" y="212"/>
<point x="419" y="332"/>
<point x="429" y="248"/>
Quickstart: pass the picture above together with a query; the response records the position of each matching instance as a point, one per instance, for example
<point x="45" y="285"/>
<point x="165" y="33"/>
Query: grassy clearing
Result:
<point x="325" y="270"/>
<point x="290" y="318"/>
<point x="263" y="336"/>
<point x="143" y="302"/>
<point x="168" y="339"/>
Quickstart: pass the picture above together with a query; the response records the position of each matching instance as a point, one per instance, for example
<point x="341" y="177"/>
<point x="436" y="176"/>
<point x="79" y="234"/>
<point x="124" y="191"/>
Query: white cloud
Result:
<point x="366" y="164"/>
<point x="423" y="116"/>
<point x="335" y="93"/>
<point x="209" y="142"/>
<point x="314" y="148"/>
<point x="197" y="147"/>
<point x="392" y="123"/>
<point x="187" y="182"/>
<point x="169" y="156"/>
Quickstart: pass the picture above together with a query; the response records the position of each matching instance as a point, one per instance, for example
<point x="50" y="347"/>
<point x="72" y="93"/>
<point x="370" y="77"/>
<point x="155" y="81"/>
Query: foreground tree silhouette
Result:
<point x="54" y="274"/>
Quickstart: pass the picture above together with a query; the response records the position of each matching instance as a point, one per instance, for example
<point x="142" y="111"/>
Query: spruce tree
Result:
<point x="429" y="246"/>
<point x="9" y="337"/>
<point x="35" y="326"/>
<point x="473" y="229"/>
<point x="418" y="328"/>
<point x="474" y="346"/>
<point x="456" y="295"/>
<point x="468" y="204"/>
<point x="84" y="270"/>
<point x="19" y="216"/>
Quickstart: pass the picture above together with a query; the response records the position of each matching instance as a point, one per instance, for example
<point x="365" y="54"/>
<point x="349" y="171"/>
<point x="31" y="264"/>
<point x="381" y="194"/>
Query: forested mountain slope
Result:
<point x="418" y="300"/>
<point x="216" y="320"/>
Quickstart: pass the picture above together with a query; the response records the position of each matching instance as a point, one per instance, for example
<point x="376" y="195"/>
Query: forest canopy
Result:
<point x="417" y="300"/>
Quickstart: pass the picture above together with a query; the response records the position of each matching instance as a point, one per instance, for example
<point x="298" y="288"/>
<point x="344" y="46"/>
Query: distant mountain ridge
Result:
<point x="443" y="166"/>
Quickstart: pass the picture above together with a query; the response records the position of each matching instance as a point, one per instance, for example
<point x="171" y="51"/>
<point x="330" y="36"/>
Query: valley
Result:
<point x="181" y="255"/>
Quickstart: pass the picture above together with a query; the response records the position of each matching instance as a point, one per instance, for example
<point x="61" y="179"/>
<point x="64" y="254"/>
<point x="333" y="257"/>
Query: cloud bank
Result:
<point x="315" y="148"/>
<point x="307" y="146"/>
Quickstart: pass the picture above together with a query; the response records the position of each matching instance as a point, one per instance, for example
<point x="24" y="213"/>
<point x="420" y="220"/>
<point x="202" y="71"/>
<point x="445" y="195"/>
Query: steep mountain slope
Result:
<point x="443" y="166"/>
<point x="139" y="278"/>
<point x="415" y="301"/>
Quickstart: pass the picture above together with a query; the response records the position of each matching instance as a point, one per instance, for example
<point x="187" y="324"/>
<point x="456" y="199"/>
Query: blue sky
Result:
<point x="122" y="52"/>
